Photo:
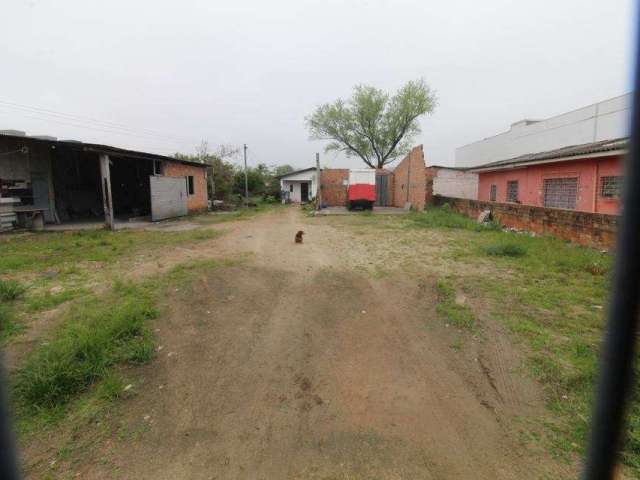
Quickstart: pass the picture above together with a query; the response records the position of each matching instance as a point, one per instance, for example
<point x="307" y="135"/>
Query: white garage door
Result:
<point x="168" y="197"/>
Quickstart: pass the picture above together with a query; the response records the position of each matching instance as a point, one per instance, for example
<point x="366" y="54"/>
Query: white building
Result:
<point x="454" y="182"/>
<point x="300" y="186"/>
<point x="606" y="120"/>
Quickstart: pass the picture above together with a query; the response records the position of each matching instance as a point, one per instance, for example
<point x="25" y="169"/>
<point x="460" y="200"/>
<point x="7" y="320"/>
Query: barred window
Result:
<point x="610" y="187"/>
<point x="512" y="191"/>
<point x="560" y="193"/>
<point x="493" y="193"/>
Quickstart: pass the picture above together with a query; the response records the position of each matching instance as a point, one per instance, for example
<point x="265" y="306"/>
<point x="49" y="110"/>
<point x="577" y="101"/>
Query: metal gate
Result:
<point x="382" y="191"/>
<point x="168" y="197"/>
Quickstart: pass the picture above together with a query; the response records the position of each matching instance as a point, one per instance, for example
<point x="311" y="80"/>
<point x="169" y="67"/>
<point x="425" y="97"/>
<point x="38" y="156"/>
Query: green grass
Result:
<point x="444" y="217"/>
<point x="552" y="295"/>
<point x="48" y="300"/>
<point x="505" y="249"/>
<point x="98" y="334"/>
<point x="8" y="324"/>
<point x="457" y="314"/>
<point x="43" y="251"/>
<point x="10" y="290"/>
<point x="240" y="214"/>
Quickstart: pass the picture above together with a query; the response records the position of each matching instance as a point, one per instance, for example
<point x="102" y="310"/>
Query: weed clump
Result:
<point x="449" y="309"/>
<point x="506" y="250"/>
<point x="99" y="334"/>
<point x="10" y="290"/>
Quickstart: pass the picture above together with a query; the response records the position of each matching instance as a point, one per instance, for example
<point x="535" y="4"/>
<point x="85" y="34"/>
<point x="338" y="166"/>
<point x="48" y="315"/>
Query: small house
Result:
<point x="66" y="181"/>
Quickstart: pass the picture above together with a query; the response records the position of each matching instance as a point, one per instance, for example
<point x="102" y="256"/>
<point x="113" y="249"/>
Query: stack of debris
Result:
<point x="7" y="213"/>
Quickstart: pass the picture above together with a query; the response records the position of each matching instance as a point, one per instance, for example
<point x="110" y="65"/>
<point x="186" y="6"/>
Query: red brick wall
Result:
<point x="429" y="174"/>
<point x="410" y="180"/>
<point x="334" y="192"/>
<point x="585" y="228"/>
<point x="197" y="201"/>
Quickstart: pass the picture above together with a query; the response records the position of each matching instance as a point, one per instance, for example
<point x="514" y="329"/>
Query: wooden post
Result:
<point x="107" y="202"/>
<point x="318" y="180"/>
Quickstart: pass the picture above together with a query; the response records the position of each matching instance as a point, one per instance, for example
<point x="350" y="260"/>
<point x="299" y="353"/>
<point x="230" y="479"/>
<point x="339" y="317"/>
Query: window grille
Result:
<point x="560" y="193"/>
<point x="494" y="193"/>
<point x="512" y="191"/>
<point x="610" y="187"/>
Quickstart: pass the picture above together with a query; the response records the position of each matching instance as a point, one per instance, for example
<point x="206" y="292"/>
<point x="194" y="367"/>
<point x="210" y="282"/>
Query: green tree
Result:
<point x="373" y="125"/>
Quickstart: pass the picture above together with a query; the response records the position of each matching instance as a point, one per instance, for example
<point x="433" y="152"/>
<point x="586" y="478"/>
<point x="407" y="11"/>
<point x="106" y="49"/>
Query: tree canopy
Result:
<point x="373" y="125"/>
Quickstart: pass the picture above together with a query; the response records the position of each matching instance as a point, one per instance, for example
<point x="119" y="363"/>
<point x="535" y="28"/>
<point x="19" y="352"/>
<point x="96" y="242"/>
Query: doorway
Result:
<point x="304" y="192"/>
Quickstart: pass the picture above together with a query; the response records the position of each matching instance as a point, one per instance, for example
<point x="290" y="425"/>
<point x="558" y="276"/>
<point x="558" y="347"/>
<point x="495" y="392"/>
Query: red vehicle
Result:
<point x="362" y="189"/>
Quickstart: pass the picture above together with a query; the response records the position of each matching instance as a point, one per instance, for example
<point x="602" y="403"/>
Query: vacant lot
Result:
<point x="417" y="346"/>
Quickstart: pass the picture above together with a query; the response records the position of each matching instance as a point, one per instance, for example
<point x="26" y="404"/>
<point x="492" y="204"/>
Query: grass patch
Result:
<point x="444" y="217"/>
<point x="240" y="214"/>
<point x="49" y="300"/>
<point x="42" y="251"/>
<point x="10" y="290"/>
<point x="503" y="249"/>
<point x="458" y="314"/>
<point x="98" y="334"/>
<point x="8" y="324"/>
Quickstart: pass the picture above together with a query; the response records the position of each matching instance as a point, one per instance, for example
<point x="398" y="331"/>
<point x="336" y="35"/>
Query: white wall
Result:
<point x="455" y="183"/>
<point x="296" y="179"/>
<point x="605" y="120"/>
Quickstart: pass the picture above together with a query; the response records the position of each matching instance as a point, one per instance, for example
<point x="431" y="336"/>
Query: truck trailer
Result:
<point x="361" y="194"/>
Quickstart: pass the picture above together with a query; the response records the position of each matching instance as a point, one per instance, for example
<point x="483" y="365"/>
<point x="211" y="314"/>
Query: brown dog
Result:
<point x="299" y="236"/>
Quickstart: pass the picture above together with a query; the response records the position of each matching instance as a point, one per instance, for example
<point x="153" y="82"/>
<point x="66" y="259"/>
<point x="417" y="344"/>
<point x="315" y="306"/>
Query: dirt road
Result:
<point x="299" y="364"/>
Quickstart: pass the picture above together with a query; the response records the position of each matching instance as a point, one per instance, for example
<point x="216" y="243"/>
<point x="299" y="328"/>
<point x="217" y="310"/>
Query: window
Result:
<point x="610" y="187"/>
<point x="190" y="186"/>
<point x="560" y="192"/>
<point x="512" y="191"/>
<point x="157" y="167"/>
<point x="493" y="193"/>
<point x="291" y="188"/>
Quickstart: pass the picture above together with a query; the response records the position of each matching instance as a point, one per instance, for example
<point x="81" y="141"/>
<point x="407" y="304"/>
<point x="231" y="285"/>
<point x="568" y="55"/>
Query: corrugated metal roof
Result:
<point x="559" y="154"/>
<point x="97" y="148"/>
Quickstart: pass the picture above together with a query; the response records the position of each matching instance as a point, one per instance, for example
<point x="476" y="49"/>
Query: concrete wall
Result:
<point x="198" y="201"/>
<point x="332" y="185"/>
<point x="530" y="182"/>
<point x="590" y="229"/>
<point x="601" y="121"/>
<point x="409" y="180"/>
<point x="448" y="182"/>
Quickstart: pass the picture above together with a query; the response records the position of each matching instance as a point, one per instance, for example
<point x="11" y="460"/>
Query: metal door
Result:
<point x="382" y="190"/>
<point x="168" y="197"/>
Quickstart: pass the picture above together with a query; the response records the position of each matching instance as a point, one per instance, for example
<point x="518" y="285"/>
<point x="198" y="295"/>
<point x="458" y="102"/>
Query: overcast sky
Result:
<point x="161" y="75"/>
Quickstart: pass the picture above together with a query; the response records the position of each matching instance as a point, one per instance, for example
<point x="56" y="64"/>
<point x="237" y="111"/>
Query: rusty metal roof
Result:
<point x="573" y="152"/>
<point x="98" y="148"/>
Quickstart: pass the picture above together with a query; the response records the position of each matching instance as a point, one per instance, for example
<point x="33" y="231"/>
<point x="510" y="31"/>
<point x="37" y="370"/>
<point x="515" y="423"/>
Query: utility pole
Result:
<point x="319" y="183"/>
<point x="246" y="179"/>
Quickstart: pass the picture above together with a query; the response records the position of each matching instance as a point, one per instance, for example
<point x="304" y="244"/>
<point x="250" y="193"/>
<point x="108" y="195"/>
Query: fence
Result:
<point x="585" y="228"/>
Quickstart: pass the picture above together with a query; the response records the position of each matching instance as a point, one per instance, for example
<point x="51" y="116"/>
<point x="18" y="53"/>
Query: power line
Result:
<point x="105" y="130"/>
<point x="112" y="126"/>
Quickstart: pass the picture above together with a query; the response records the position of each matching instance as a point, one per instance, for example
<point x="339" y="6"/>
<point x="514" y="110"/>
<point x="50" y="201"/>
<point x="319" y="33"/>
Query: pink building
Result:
<point x="585" y="177"/>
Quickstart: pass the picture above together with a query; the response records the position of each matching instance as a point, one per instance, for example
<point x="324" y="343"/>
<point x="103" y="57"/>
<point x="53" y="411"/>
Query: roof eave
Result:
<point x="526" y="163"/>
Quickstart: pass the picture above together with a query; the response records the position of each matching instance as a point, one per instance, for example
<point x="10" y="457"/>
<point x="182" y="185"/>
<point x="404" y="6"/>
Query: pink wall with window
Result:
<point x="531" y="180"/>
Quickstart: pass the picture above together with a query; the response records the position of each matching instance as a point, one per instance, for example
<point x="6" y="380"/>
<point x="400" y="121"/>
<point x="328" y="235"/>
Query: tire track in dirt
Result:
<point x="295" y="366"/>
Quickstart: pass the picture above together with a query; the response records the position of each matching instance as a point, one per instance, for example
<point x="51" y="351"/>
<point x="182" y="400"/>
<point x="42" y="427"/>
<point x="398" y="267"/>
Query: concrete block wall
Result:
<point x="591" y="229"/>
<point x="198" y="201"/>
<point x="409" y="180"/>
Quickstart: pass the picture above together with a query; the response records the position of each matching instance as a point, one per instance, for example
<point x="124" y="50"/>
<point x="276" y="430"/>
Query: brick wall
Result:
<point x="197" y="201"/>
<point x="410" y="181"/>
<point x="585" y="228"/>
<point x="429" y="174"/>
<point x="334" y="192"/>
